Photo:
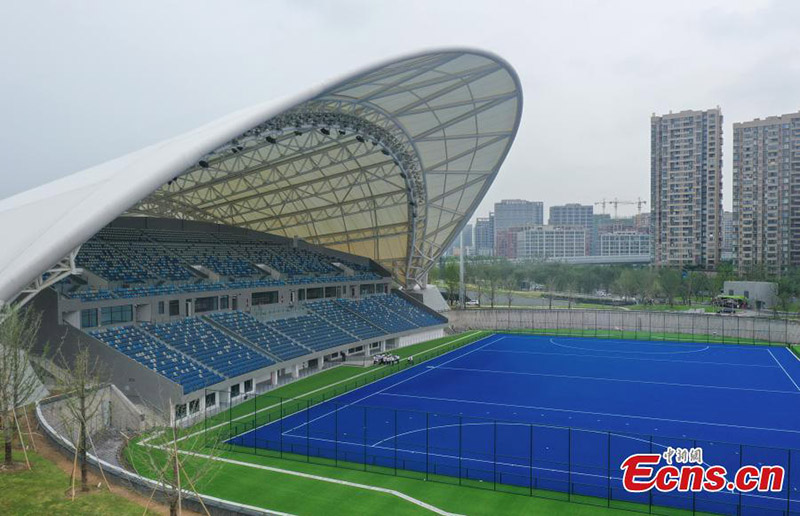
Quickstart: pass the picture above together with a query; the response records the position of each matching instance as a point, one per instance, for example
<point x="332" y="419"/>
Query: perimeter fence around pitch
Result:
<point x="633" y="325"/>
<point x="561" y="463"/>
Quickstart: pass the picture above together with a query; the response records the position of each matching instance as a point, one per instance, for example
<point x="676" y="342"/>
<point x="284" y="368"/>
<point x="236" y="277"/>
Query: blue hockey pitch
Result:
<point x="561" y="414"/>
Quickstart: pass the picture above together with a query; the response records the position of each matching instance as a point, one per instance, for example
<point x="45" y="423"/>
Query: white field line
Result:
<point x="622" y="380"/>
<point x="784" y="370"/>
<point x="318" y="478"/>
<point x="705" y="362"/>
<point x="426" y="370"/>
<point x="705" y="348"/>
<point x="592" y="413"/>
<point x="270" y="407"/>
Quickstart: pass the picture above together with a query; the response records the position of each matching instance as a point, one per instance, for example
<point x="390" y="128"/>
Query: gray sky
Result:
<point x="84" y="82"/>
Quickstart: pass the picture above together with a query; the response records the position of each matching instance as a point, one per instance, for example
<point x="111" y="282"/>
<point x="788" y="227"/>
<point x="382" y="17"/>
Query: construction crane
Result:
<point x="616" y="202"/>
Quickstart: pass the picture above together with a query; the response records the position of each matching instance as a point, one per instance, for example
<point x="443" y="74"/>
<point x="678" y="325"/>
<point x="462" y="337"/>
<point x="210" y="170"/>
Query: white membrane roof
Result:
<point x="387" y="163"/>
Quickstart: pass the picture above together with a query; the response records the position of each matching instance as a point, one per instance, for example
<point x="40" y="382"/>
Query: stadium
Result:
<point x="259" y="286"/>
<point x="305" y="211"/>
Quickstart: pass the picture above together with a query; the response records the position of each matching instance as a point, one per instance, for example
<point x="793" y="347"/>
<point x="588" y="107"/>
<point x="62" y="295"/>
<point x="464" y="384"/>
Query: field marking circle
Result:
<point x="704" y="348"/>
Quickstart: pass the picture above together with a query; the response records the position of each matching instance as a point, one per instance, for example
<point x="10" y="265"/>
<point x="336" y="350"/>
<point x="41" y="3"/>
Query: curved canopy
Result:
<point x="388" y="163"/>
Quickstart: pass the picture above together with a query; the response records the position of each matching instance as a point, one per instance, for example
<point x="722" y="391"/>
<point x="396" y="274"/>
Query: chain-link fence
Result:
<point x="630" y="324"/>
<point x="561" y="463"/>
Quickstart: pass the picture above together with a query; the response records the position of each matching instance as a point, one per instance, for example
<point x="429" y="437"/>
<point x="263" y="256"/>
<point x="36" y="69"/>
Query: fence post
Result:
<point x="364" y="438"/>
<point x="280" y="417"/>
<point x="694" y="494"/>
<point x="650" y="492"/>
<point x="460" y="447"/>
<point x="569" y="464"/>
<point x="308" y="431"/>
<point x="427" y="442"/>
<point x="336" y="434"/>
<point x="583" y="323"/>
<point x="531" y="461"/>
<point x="741" y="454"/>
<point x="395" y="442"/>
<point x="595" y="324"/>
<point x="788" y="482"/>
<point x="650" y="325"/>
<point x="737" y="330"/>
<point x="255" y="433"/>
<point x="558" y="322"/>
<point x="494" y="458"/>
<point x="608" y="469"/>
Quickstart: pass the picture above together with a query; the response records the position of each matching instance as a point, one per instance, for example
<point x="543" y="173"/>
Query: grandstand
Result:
<point x="210" y="309"/>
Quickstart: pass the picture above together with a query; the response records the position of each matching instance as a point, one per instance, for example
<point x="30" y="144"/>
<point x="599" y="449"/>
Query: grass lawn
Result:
<point x="673" y="308"/>
<point x="247" y="479"/>
<point x="282" y="492"/>
<point x="43" y="490"/>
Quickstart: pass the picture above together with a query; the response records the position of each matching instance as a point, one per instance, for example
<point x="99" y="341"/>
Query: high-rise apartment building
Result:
<point x="686" y="188"/>
<point x="484" y="235"/>
<point x="572" y="214"/>
<point x="766" y="193"/>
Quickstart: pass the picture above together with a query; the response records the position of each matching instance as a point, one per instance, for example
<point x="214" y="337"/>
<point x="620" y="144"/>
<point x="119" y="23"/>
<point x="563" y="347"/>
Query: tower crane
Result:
<point x="616" y="203"/>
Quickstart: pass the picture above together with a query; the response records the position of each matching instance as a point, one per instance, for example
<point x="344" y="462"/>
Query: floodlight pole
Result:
<point x="462" y="291"/>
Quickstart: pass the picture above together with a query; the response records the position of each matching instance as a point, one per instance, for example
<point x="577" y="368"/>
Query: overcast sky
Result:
<point x="84" y="82"/>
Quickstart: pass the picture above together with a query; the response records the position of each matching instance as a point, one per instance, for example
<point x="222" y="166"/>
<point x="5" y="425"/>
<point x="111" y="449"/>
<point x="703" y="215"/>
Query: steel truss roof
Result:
<point x="387" y="163"/>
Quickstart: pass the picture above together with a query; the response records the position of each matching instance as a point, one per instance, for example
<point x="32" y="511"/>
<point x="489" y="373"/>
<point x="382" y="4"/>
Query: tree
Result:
<point x="451" y="281"/>
<point x="178" y="459"/>
<point x="492" y="283"/>
<point x="627" y="283"/>
<point x="671" y="284"/>
<point x="18" y="382"/>
<point x="724" y="273"/>
<point x="82" y="387"/>
<point x="509" y="286"/>
<point x="698" y="285"/>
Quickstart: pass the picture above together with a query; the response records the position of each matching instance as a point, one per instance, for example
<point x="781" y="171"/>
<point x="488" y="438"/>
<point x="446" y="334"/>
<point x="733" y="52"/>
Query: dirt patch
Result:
<point x="48" y="451"/>
<point x="15" y="467"/>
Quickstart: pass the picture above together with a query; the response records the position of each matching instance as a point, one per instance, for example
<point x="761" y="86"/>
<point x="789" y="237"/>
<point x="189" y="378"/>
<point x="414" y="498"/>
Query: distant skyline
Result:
<point x="85" y="82"/>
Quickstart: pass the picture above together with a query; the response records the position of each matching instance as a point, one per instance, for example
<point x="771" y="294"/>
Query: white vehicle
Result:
<point x="473" y="302"/>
